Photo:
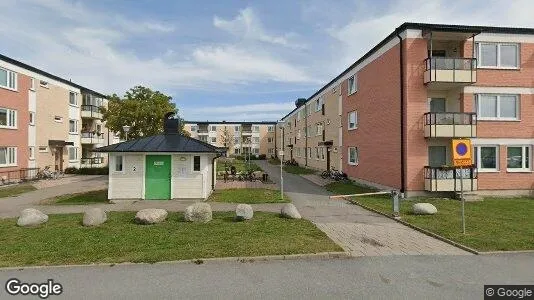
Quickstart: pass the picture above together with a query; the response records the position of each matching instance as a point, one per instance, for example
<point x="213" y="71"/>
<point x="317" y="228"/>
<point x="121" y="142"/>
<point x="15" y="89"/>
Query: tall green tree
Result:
<point x="140" y="108"/>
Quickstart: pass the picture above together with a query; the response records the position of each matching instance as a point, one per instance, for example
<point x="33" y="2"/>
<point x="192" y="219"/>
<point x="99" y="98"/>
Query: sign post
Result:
<point x="281" y="154"/>
<point x="461" y="156"/>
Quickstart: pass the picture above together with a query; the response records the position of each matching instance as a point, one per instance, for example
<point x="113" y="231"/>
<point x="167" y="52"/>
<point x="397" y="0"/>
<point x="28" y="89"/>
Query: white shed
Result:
<point x="162" y="167"/>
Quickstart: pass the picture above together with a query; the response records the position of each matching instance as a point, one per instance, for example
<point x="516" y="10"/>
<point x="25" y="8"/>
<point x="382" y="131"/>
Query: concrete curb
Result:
<point x="506" y="252"/>
<point x="200" y="261"/>
<point x="429" y="233"/>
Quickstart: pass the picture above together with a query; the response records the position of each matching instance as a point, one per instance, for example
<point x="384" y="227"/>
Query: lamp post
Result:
<point x="126" y="129"/>
<point x="281" y="157"/>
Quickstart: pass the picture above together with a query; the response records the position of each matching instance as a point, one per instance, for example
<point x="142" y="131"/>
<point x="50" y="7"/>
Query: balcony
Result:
<point x="462" y="71"/>
<point x="202" y="131"/>
<point x="450" y="124"/>
<point x="91" y="112"/>
<point x="448" y="179"/>
<point x="246" y="132"/>
<point x="92" y="162"/>
<point x="92" y="138"/>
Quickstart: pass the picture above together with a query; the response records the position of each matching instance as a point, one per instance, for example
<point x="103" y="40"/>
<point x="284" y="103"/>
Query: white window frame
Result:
<point x="31" y="150"/>
<point x="193" y="128"/>
<point x="498" y="118"/>
<point x="309" y="153"/>
<point x="213" y="139"/>
<point x="75" y="126"/>
<point x="60" y="120"/>
<point x="322" y="153"/>
<point x="76" y="158"/>
<point x="523" y="159"/>
<point x="12" y="80"/>
<point x="75" y="98"/>
<point x="213" y="128"/>
<point x="43" y="151"/>
<point x="270" y="128"/>
<point x="356" y="156"/>
<point x="478" y="159"/>
<point x="43" y="83"/>
<point x="355" y="113"/>
<point x="11" y="118"/>
<point x="11" y="156"/>
<point x="269" y="140"/>
<point x="115" y="161"/>
<point x="478" y="52"/>
<point x="256" y="128"/>
<point x="317" y="156"/>
<point x="352" y="87"/>
<point x="236" y="128"/>
<point x="319" y="129"/>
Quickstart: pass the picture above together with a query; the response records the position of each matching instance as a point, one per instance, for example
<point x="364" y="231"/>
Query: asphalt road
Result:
<point x="393" y="277"/>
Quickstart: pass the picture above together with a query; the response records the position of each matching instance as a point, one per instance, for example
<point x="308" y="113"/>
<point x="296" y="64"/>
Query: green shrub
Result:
<point x="71" y="170"/>
<point x="93" y="171"/>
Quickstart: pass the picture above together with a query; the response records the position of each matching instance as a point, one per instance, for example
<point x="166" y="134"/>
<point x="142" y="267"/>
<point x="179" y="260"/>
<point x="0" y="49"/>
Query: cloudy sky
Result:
<point x="221" y="60"/>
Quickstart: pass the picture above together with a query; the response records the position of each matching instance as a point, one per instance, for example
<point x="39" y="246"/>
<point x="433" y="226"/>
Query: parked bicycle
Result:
<point x="334" y="175"/>
<point x="291" y="162"/>
<point x="47" y="173"/>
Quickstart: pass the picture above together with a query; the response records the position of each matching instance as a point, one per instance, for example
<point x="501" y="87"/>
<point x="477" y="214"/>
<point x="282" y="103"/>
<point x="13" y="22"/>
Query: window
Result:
<point x="32" y="84"/>
<point x="43" y="149"/>
<point x="8" y="156"/>
<point x="256" y="151"/>
<point x="486" y="158"/>
<point x="322" y="153"/>
<point x="497" y="55"/>
<point x="73" y="153"/>
<point x="193" y="128"/>
<point x="32" y="118"/>
<point x="256" y="140"/>
<point x="31" y="151"/>
<point x="73" y="126"/>
<point x="213" y="128"/>
<point x="270" y="128"/>
<point x="196" y="163"/>
<point x="8" y="118"/>
<point x="518" y="158"/>
<point x="309" y="152"/>
<point x="236" y="151"/>
<point x="497" y="107"/>
<point x="72" y="98"/>
<point x="319" y="129"/>
<point x="353" y="120"/>
<point x="318" y="104"/>
<point x="309" y="130"/>
<point x="214" y="140"/>
<point x="58" y="119"/>
<point x="256" y="128"/>
<point x="353" y="156"/>
<point x="8" y="79"/>
<point x="316" y="152"/>
<point x="203" y="138"/>
<point x="298" y="134"/>
<point x="236" y="128"/>
<point x="270" y="151"/>
<point x="352" y="84"/>
<point x="269" y="140"/>
<point x="236" y="140"/>
<point x="119" y="167"/>
<point x="43" y="83"/>
<point x="299" y="115"/>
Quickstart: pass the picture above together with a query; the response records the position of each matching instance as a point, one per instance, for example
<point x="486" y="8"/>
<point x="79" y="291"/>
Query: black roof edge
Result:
<point x="231" y="122"/>
<point x="51" y="76"/>
<point x="422" y="26"/>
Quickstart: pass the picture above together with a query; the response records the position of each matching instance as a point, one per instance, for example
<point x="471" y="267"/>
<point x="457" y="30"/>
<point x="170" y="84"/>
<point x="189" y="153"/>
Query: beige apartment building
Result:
<point x="312" y="131"/>
<point x="240" y="138"/>
<point x="51" y="121"/>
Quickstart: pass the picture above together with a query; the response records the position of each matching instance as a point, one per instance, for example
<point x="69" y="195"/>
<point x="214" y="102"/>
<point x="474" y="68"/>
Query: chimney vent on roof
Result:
<point x="171" y="125"/>
<point x="300" y="101"/>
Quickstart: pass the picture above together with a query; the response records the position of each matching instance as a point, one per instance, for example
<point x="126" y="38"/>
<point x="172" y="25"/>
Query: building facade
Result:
<point x="42" y="121"/>
<point x="424" y="85"/>
<point x="240" y="138"/>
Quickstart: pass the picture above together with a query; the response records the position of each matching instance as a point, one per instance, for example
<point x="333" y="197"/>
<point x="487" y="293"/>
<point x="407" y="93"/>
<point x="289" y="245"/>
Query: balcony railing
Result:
<point x="92" y="137"/>
<point x="450" y="124"/>
<point x="202" y="131"/>
<point x="448" y="179"/>
<point x="91" y="162"/>
<point x="91" y="111"/>
<point x="451" y="70"/>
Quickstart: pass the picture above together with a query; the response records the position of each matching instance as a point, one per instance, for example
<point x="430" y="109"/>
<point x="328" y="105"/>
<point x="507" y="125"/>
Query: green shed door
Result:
<point x="158" y="177"/>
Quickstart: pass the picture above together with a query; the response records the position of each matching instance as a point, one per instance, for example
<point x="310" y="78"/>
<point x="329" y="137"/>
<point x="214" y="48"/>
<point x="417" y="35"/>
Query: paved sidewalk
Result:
<point x="318" y="180"/>
<point x="357" y="230"/>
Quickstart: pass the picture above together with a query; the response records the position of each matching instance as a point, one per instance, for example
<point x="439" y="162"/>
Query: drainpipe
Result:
<point x="306" y="135"/>
<point x="402" y="143"/>
<point x="213" y="173"/>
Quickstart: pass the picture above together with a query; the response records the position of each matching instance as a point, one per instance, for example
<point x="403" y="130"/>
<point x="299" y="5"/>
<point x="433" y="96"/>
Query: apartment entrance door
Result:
<point x="58" y="158"/>
<point x="437" y="156"/>
<point x="328" y="158"/>
<point x="437" y="105"/>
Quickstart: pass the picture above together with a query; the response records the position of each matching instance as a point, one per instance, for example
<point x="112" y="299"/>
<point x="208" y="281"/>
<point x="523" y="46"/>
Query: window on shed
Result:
<point x="196" y="163"/>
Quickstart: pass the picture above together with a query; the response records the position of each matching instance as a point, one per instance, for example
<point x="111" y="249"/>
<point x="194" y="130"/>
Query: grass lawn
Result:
<point x="63" y="240"/>
<point x="348" y="188"/>
<point x="274" y="161"/>
<point x="81" y="198"/>
<point x="239" y="165"/>
<point x="16" y="190"/>
<point x="491" y="225"/>
<point x="298" y="170"/>
<point x="248" y="196"/>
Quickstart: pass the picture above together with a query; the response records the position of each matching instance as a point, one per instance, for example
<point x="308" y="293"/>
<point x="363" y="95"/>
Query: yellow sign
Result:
<point x="461" y="153"/>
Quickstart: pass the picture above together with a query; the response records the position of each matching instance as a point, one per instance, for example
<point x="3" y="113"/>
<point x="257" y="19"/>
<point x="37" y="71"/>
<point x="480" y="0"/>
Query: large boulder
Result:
<point x="198" y="212"/>
<point x="290" y="211"/>
<point x="31" y="217"/>
<point x="424" y="209"/>
<point x="150" y="216"/>
<point x="243" y="212"/>
<point x="94" y="217"/>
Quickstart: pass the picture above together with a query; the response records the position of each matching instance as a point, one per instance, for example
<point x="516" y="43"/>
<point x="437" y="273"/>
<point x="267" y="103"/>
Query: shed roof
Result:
<point x="163" y="143"/>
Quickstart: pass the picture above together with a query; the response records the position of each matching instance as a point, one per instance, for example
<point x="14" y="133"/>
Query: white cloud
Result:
<point x="267" y="111"/>
<point x="249" y="26"/>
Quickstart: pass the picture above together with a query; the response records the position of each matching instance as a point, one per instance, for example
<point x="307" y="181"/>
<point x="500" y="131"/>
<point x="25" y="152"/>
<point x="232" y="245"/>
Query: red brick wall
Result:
<point x="17" y="100"/>
<point x="378" y="135"/>
<point x="504" y="180"/>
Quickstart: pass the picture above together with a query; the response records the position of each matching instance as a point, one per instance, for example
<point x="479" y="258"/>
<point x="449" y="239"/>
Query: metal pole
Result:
<point x="462" y="197"/>
<point x="281" y="178"/>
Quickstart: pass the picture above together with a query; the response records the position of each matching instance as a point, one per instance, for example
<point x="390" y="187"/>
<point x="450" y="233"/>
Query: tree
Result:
<point x="226" y="138"/>
<point x="140" y="108"/>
